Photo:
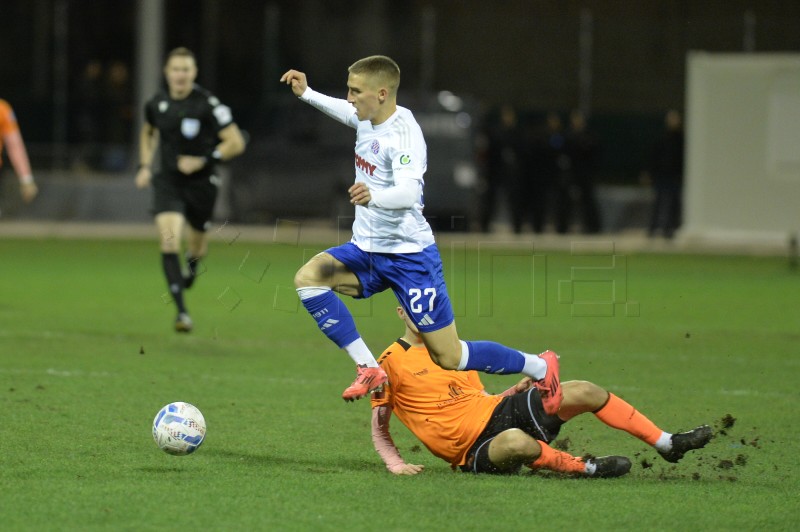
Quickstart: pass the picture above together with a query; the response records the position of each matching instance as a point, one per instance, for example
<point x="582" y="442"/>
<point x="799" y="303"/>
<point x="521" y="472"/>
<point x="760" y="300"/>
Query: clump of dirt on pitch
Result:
<point x="563" y="444"/>
<point x="723" y="425"/>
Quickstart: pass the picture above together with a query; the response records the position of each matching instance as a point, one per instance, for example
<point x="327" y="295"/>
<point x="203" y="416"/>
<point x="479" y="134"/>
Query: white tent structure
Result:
<point x="743" y="149"/>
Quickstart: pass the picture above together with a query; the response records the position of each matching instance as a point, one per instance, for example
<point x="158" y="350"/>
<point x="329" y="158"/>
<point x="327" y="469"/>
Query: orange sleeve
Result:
<point x="8" y="122"/>
<point x="475" y="380"/>
<point x="384" y="397"/>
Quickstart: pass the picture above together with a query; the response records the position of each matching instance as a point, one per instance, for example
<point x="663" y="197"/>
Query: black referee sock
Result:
<point x="192" y="270"/>
<point x="172" y="271"/>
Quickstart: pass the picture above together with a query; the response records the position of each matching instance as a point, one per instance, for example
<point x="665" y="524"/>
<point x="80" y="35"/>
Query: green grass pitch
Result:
<point x="87" y="357"/>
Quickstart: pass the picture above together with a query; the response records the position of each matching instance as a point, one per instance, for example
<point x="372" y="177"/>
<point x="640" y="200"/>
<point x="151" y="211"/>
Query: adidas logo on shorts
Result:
<point x="426" y="320"/>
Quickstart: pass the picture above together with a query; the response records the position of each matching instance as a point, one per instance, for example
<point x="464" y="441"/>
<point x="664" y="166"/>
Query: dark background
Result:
<point x="488" y="52"/>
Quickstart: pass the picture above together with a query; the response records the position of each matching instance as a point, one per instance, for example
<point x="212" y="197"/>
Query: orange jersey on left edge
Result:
<point x="8" y="124"/>
<point x="446" y="410"/>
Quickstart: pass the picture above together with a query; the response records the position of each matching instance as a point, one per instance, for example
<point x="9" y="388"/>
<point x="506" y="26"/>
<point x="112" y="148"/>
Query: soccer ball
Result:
<point x="179" y="428"/>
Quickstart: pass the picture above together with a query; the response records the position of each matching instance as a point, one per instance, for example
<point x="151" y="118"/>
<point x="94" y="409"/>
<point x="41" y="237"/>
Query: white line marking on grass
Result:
<point x="262" y="378"/>
<point x="76" y="373"/>
<point x="723" y="391"/>
<point x="217" y="377"/>
<point x="747" y="393"/>
<point x="57" y="372"/>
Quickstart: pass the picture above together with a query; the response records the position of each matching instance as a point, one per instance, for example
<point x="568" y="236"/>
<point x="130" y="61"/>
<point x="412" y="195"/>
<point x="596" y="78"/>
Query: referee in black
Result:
<point x="194" y="132"/>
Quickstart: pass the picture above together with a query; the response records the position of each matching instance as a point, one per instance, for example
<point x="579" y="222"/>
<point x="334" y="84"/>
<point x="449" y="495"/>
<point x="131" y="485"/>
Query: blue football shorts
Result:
<point x="415" y="278"/>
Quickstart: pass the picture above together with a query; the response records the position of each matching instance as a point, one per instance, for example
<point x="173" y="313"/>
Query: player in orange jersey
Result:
<point x="451" y="413"/>
<point x="11" y="137"/>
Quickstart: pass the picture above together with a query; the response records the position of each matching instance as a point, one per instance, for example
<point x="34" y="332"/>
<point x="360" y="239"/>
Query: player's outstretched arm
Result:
<point x="385" y="446"/>
<point x="19" y="160"/>
<point x="336" y="108"/>
<point x="296" y="80"/>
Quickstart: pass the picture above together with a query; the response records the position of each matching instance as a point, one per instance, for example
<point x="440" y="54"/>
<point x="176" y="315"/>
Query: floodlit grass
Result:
<point x="87" y="357"/>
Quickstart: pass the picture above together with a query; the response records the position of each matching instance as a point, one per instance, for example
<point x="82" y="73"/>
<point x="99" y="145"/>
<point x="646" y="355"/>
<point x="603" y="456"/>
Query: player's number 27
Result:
<point x="417" y="294"/>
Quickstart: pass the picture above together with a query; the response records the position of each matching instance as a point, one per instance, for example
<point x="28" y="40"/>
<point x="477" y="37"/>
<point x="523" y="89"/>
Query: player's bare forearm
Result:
<point x="148" y="139"/>
<point x="521" y="387"/>
<point x="189" y="164"/>
<point x="18" y="154"/>
<point x="384" y="445"/>
<point x="296" y="80"/>
<point x="143" y="177"/>
<point x="22" y="166"/>
<point x="232" y="142"/>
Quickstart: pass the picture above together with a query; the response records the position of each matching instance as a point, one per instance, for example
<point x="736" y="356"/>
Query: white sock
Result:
<point x="664" y="442"/>
<point x="307" y="292"/>
<point x="462" y="364"/>
<point x="535" y="367"/>
<point x="361" y="354"/>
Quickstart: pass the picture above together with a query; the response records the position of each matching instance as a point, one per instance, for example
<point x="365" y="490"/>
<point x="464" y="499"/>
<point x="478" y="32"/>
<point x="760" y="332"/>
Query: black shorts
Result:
<point x="522" y="411"/>
<point x="194" y="197"/>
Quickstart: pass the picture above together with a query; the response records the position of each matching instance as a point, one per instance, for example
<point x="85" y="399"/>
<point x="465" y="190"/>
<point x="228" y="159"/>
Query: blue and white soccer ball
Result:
<point x="179" y="428"/>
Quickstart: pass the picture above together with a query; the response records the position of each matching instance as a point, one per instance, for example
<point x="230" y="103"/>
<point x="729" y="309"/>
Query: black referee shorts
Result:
<point x="522" y="411"/>
<point x="194" y="196"/>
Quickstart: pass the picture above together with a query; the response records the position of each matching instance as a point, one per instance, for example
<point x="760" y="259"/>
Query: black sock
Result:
<point x="192" y="270"/>
<point x="172" y="271"/>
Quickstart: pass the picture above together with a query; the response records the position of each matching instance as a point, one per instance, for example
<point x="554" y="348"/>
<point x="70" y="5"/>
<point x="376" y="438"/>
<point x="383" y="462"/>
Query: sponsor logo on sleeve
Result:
<point x="223" y="115"/>
<point x="405" y="159"/>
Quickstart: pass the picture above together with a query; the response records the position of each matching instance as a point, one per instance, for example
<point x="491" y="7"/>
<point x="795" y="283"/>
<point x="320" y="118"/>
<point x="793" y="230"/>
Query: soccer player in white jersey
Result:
<point x="393" y="245"/>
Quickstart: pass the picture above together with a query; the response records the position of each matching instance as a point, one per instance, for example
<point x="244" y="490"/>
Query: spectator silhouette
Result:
<point x="582" y="150"/>
<point x="665" y="174"/>
<point x="119" y="116"/>
<point x="555" y="168"/>
<point x="503" y="171"/>
<point x="89" y="115"/>
<point x="540" y="172"/>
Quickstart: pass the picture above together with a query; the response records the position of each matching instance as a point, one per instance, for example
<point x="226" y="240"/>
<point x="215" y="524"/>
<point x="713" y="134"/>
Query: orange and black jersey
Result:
<point x="446" y="410"/>
<point x="189" y="126"/>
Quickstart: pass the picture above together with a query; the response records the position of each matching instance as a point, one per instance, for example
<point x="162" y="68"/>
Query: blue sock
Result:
<point x="491" y="357"/>
<point x="333" y="317"/>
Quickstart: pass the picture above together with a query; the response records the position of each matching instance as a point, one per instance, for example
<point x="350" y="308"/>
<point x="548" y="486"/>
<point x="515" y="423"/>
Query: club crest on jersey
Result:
<point x="405" y="159"/>
<point x="190" y="127"/>
<point x="163" y="106"/>
<point x="375" y="147"/>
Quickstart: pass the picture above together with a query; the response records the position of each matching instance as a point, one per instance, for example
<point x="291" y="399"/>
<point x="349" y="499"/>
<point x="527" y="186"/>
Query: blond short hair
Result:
<point x="382" y="68"/>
